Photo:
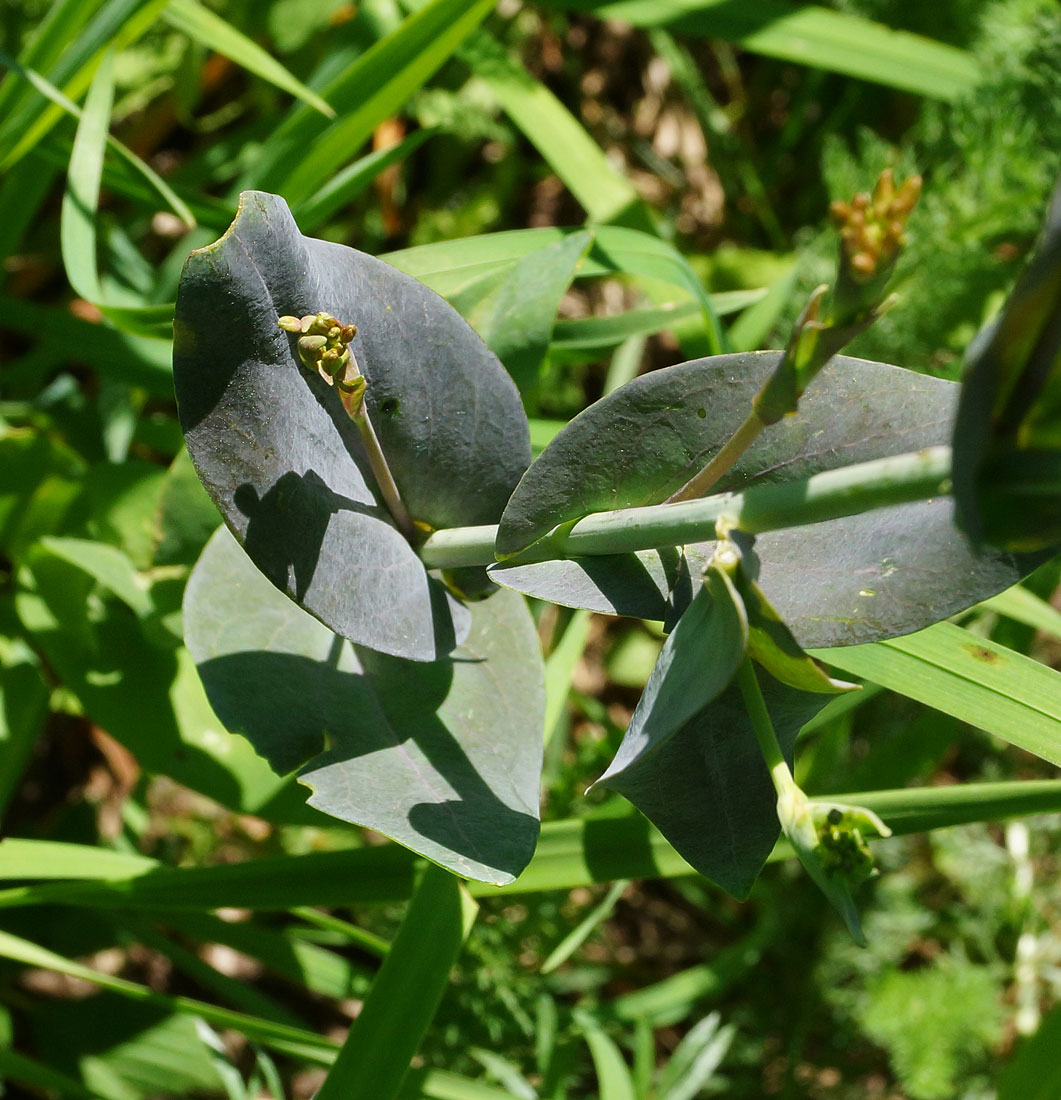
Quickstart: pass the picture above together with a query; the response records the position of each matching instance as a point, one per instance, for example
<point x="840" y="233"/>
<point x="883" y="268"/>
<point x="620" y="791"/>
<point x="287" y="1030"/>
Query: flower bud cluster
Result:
<point x="842" y="847"/>
<point x="830" y="840"/>
<point x="872" y="227"/>
<point x="322" y="344"/>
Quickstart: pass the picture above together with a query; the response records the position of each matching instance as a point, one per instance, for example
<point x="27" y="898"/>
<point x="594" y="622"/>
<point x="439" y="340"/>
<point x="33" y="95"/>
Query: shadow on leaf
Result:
<point x="366" y="732"/>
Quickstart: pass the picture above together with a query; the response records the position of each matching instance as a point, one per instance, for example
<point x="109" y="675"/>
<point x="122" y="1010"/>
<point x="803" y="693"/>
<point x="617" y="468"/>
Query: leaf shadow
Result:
<point x="375" y="750"/>
<point x="286" y="527"/>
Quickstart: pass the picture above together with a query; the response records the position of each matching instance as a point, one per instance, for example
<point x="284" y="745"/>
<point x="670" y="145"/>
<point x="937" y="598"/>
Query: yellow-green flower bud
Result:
<point x="872" y="234"/>
<point x="830" y="840"/>
<point x="311" y="349"/>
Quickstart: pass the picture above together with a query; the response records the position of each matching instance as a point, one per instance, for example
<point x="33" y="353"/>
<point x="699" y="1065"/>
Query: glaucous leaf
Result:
<point x="842" y="582"/>
<point x="697" y="662"/>
<point x="706" y="787"/>
<point x="444" y="757"/>
<point x="1007" y="437"/>
<point x="275" y="450"/>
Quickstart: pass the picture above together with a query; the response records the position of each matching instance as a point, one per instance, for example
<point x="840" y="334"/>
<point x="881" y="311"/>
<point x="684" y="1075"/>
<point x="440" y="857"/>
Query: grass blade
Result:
<point x="573" y="852"/>
<point x="1019" y="604"/>
<point x="268" y="1033"/>
<point x="206" y="27"/>
<point x="347" y="184"/>
<point x="282" y="951"/>
<point x="402" y="1002"/>
<point x="613" y="1074"/>
<point x="809" y="35"/>
<point x="451" y="266"/>
<point x="150" y="176"/>
<point x="302" y="154"/>
<point x="113" y="25"/>
<point x="598" y="333"/>
<point x="81" y="199"/>
<point x="560" y="668"/>
<point x="77" y="227"/>
<point x="972" y="678"/>
<point x="24" y="698"/>
<point x="54" y="859"/>
<point x="40" y="1078"/>
<point x="573" y="155"/>
<point x="584" y="929"/>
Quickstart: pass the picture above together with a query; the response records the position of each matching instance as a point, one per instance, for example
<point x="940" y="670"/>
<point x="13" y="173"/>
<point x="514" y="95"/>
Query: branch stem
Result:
<point x="378" y="461"/>
<point x="737" y="444"/>
<point x="898" y="479"/>
<point x="765" y="733"/>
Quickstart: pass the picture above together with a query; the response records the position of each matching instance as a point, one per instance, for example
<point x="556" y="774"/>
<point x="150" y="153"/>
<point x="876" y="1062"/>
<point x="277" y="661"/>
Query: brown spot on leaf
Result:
<point x="985" y="655"/>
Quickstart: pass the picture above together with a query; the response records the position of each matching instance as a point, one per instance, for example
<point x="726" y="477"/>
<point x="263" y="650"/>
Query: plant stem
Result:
<point x="898" y="479"/>
<point x="748" y="683"/>
<point x="737" y="444"/>
<point x="378" y="461"/>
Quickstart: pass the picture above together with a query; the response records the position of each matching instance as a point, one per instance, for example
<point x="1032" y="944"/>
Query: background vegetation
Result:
<point x="725" y="132"/>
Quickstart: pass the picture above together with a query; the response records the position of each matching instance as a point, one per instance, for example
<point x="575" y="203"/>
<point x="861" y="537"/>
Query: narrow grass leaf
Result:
<point x="972" y="678"/>
<point x="53" y="859"/>
<point x="808" y="35"/>
<point x="672" y="999"/>
<point x="126" y="357"/>
<point x="573" y="852"/>
<point x="1023" y="606"/>
<point x="695" y="1059"/>
<point x="585" y="928"/>
<point x="604" y="194"/>
<point x="240" y="994"/>
<point x="148" y="174"/>
<point x="270" y="1034"/>
<point x="613" y="1075"/>
<point x="439" y="1084"/>
<point x="24" y="709"/>
<point x="515" y="313"/>
<point x="751" y="329"/>
<point x="39" y="1078"/>
<point x="280" y="950"/>
<point x="81" y="199"/>
<point x="505" y="1073"/>
<point x="357" y="937"/>
<point x="113" y="25"/>
<point x="451" y="266"/>
<point x="302" y="155"/>
<point x="593" y="333"/>
<point x="560" y="668"/>
<point x="402" y="1002"/>
<point x="348" y="183"/>
<point x="202" y="25"/>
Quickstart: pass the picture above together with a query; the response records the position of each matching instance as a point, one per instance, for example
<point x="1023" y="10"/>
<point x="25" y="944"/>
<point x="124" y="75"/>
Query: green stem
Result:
<point x="899" y="479"/>
<point x="378" y="461"/>
<point x="780" y="773"/>
<point x="738" y="443"/>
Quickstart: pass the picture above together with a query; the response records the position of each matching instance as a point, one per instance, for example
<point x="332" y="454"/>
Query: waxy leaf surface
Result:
<point x="706" y="787"/>
<point x="1007" y="438"/>
<point x="285" y="465"/>
<point x="842" y="582"/>
<point x="697" y="662"/>
<point x="444" y="757"/>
